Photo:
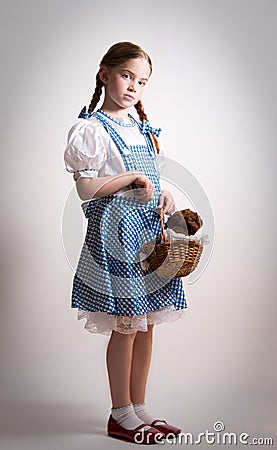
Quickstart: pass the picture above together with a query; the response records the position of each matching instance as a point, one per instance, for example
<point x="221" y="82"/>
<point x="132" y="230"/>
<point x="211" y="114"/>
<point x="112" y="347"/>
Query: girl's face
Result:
<point x="124" y="84"/>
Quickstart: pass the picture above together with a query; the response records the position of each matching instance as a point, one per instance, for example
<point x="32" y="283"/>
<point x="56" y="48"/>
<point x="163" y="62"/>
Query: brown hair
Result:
<point x="116" y="55"/>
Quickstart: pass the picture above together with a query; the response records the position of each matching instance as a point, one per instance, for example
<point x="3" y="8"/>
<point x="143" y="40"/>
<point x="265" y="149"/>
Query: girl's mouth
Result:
<point x="129" y="97"/>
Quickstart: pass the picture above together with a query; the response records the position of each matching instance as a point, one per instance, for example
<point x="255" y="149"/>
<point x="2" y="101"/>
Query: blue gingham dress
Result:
<point x="110" y="288"/>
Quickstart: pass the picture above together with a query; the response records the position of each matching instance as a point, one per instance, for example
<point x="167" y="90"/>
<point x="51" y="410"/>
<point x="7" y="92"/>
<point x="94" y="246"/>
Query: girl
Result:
<point x="113" y="157"/>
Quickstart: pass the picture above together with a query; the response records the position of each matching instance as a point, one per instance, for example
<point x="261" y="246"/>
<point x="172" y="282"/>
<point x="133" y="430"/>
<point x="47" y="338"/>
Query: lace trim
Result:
<point x="103" y="323"/>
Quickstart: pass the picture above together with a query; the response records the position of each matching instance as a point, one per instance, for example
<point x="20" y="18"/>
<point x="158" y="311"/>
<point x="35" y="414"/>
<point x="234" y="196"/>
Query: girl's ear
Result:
<point x="104" y="74"/>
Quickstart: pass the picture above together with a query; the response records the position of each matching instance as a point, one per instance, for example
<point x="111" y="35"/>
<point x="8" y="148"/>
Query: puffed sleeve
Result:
<point x="86" y="149"/>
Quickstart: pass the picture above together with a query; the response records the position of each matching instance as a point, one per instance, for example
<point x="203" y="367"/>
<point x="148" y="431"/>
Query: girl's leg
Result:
<point x="142" y="351"/>
<point x="119" y="363"/>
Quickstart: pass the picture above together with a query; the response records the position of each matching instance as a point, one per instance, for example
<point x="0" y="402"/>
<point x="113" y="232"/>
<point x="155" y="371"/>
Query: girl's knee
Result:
<point x="146" y="334"/>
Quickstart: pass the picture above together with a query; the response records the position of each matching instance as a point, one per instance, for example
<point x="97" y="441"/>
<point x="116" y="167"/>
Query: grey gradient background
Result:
<point x="213" y="91"/>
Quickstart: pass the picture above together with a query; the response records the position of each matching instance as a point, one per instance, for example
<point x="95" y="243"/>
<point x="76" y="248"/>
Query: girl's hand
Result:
<point x="167" y="202"/>
<point x="145" y="188"/>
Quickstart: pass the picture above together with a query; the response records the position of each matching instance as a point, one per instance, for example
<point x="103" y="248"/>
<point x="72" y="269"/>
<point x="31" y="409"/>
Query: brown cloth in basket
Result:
<point x="184" y="251"/>
<point x="185" y="221"/>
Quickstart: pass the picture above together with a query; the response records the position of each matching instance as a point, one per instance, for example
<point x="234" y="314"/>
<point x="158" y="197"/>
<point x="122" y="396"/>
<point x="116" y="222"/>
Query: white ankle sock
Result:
<point x="127" y="418"/>
<point x="140" y="410"/>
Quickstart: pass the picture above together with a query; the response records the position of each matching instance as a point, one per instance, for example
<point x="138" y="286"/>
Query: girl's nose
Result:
<point x="132" y="86"/>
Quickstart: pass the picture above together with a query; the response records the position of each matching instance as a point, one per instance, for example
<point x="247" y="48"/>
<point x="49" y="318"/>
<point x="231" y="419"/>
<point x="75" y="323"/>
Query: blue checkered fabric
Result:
<point x="109" y="276"/>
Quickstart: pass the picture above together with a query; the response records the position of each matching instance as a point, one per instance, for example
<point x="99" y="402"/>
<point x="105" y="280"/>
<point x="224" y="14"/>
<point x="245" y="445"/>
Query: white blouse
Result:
<point x="91" y="151"/>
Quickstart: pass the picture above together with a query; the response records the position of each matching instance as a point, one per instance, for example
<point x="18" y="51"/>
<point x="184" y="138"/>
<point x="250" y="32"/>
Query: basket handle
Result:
<point x="162" y="224"/>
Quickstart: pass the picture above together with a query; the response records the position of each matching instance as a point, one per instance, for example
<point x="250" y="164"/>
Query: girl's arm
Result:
<point x="88" y="188"/>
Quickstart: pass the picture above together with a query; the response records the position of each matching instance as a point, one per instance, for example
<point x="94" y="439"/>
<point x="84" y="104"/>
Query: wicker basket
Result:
<point x="174" y="259"/>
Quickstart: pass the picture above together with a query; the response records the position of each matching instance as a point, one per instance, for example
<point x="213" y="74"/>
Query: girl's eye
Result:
<point x="142" y="83"/>
<point x="126" y="75"/>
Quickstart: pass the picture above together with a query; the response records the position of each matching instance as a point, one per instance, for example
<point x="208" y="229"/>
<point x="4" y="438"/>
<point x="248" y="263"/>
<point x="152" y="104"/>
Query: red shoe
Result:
<point x="166" y="428"/>
<point x="150" y="436"/>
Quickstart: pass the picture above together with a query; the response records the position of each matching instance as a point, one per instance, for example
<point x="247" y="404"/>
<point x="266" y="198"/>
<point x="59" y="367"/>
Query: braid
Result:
<point x="142" y="115"/>
<point x="140" y="110"/>
<point x="97" y="94"/>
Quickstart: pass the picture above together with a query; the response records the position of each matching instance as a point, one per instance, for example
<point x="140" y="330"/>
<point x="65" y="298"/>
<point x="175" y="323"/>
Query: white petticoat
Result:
<point x="103" y="323"/>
